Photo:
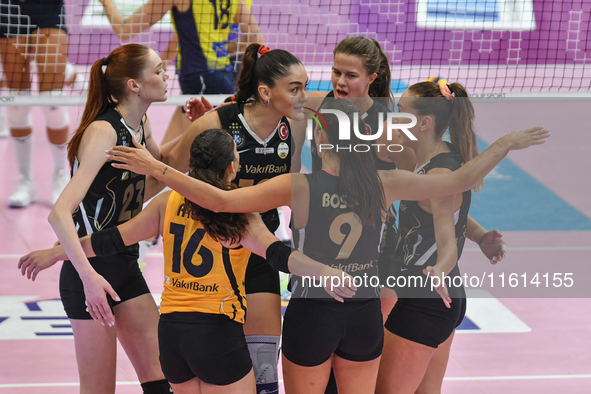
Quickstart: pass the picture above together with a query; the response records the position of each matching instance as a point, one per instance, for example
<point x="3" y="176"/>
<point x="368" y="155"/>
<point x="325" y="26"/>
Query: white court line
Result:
<point x="449" y="379"/>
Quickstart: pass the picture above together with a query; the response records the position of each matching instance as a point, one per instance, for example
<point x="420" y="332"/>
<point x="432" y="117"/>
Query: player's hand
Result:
<point x="96" y="289"/>
<point x="138" y="159"/>
<point x="338" y="284"/>
<point x="435" y="271"/>
<point x="33" y="263"/>
<point x="196" y="108"/>
<point x="523" y="139"/>
<point x="493" y="246"/>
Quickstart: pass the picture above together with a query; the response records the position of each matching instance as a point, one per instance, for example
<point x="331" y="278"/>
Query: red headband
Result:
<point x="263" y="49"/>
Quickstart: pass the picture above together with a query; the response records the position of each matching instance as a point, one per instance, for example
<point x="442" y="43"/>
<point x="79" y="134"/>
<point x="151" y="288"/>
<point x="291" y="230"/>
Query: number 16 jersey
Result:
<point x="200" y="274"/>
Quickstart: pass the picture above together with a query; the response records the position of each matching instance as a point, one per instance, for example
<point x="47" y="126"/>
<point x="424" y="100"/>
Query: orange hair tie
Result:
<point x="263" y="49"/>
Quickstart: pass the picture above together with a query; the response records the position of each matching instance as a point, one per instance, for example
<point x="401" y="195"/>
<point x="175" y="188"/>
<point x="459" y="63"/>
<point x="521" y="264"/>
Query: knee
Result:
<point x="19" y="116"/>
<point x="56" y="117"/>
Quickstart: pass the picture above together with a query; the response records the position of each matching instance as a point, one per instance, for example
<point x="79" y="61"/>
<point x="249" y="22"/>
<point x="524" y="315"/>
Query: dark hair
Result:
<point x="211" y="153"/>
<point x="374" y="61"/>
<point x="456" y="114"/>
<point x="360" y="186"/>
<point x="107" y="88"/>
<point x="265" y="69"/>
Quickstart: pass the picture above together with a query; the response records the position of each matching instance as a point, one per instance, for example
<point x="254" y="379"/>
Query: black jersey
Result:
<point x="259" y="159"/>
<point x="335" y="236"/>
<point x="115" y="195"/>
<point x="371" y="118"/>
<point x="417" y="247"/>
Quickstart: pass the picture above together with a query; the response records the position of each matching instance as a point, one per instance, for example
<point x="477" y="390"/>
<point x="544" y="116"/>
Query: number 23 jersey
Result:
<point x="115" y="195"/>
<point x="200" y="274"/>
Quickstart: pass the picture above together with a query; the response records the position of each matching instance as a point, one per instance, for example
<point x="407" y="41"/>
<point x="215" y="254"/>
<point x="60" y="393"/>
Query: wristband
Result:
<point x="278" y="256"/>
<point x="107" y="242"/>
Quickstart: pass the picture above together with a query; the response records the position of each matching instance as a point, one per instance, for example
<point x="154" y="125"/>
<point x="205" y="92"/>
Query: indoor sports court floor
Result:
<point x="539" y="197"/>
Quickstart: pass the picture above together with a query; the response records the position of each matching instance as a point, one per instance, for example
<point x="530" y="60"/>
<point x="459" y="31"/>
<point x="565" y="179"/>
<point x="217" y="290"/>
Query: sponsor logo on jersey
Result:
<point x="265" y="151"/>
<point x="195" y="286"/>
<point x="283" y="131"/>
<point x="268" y="169"/>
<point x="353" y="267"/>
<point x="283" y="150"/>
<point x="238" y="137"/>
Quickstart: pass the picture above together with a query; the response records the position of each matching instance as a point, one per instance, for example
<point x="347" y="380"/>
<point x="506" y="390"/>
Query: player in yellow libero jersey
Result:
<point x="201" y="340"/>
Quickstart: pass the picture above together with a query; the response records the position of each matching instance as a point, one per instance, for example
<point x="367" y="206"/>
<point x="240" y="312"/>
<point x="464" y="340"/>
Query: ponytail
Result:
<point x="266" y="69"/>
<point x="374" y="60"/>
<point x="359" y="185"/>
<point x="108" y="87"/>
<point x="456" y="113"/>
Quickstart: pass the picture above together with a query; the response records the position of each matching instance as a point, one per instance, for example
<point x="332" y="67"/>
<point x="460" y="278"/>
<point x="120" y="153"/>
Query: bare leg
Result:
<point x="356" y="377"/>
<point x="305" y="380"/>
<point x="246" y="385"/>
<point x="403" y="365"/>
<point x="96" y="355"/>
<point x="137" y="330"/>
<point x="433" y="379"/>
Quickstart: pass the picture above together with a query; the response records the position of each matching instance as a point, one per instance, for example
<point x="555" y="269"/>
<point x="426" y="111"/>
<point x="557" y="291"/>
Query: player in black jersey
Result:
<point x="258" y="123"/>
<point x="420" y="327"/>
<point x="316" y="329"/>
<point x="202" y="344"/>
<point x="122" y="87"/>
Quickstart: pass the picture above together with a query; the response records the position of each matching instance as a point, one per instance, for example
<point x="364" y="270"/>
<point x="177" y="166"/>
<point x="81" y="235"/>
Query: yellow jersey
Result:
<point x="200" y="274"/>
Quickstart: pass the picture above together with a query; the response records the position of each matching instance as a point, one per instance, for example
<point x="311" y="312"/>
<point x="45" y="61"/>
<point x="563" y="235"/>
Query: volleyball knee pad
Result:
<point x="264" y="353"/>
<point x="56" y="117"/>
<point x="19" y="116"/>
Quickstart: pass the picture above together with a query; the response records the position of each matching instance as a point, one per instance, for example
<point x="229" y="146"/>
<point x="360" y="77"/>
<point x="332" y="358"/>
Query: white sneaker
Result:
<point x="60" y="180"/>
<point x="23" y="195"/>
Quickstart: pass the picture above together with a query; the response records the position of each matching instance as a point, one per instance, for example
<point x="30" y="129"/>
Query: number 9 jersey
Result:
<point x="200" y="274"/>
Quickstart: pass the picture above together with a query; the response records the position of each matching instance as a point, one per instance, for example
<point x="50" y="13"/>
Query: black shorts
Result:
<point x="24" y="17"/>
<point x="207" y="346"/>
<point x="121" y="271"/>
<point x="425" y="320"/>
<point x="314" y="329"/>
<point x="260" y="276"/>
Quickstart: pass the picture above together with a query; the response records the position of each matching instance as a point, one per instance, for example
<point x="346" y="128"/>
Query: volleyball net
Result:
<point x="490" y="46"/>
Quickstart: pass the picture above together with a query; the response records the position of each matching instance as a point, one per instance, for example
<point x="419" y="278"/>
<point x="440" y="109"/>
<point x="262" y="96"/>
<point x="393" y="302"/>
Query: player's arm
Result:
<point x="248" y="25"/>
<point x="142" y="19"/>
<point x="491" y="243"/>
<point x="405" y="185"/>
<point x="258" y="239"/>
<point x="99" y="136"/>
<point x="442" y="209"/>
<point x="146" y="224"/>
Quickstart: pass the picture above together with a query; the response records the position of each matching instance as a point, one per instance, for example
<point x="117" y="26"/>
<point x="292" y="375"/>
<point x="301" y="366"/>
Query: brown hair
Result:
<point x="265" y="69"/>
<point x="107" y="88"/>
<point x="374" y="60"/>
<point x="211" y="153"/>
<point x="456" y="114"/>
<point x="360" y="186"/>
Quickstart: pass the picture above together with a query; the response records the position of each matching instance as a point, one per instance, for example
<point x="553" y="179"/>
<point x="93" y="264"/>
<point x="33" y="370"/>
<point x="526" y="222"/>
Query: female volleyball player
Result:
<point x="420" y="327"/>
<point x="341" y="215"/>
<point x="34" y="30"/>
<point x="202" y="345"/>
<point x="122" y="87"/>
<point x="205" y="39"/>
<point x="262" y="133"/>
